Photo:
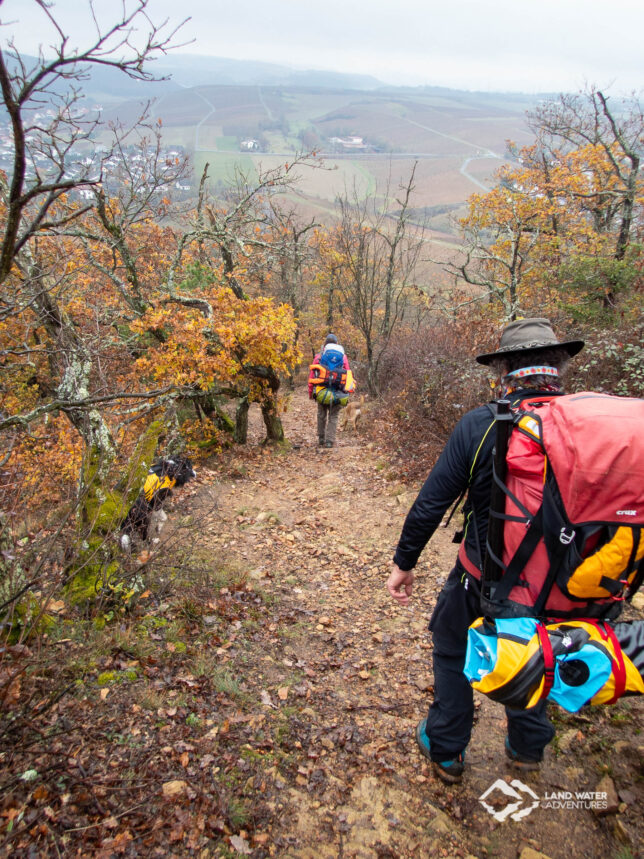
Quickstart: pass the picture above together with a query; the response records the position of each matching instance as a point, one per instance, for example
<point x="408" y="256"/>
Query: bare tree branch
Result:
<point x="23" y="89"/>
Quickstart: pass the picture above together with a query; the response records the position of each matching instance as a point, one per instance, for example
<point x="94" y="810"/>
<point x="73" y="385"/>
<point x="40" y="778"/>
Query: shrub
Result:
<point x="429" y="379"/>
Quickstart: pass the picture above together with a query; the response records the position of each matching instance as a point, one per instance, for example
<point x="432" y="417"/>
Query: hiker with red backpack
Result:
<point x="529" y="363"/>
<point x="330" y="383"/>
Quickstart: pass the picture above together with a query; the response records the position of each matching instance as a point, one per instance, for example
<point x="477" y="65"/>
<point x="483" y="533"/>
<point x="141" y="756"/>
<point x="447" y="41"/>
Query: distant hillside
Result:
<point x="237" y="114"/>
<point x="194" y="70"/>
<point x="368" y="137"/>
<point x="106" y="85"/>
<point x="428" y="121"/>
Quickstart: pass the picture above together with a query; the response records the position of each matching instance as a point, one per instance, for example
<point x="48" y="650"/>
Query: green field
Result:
<point x="227" y="144"/>
<point x="222" y="165"/>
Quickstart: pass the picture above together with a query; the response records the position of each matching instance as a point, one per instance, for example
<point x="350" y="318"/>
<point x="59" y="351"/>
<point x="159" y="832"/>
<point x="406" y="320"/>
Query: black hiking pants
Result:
<point x="449" y="724"/>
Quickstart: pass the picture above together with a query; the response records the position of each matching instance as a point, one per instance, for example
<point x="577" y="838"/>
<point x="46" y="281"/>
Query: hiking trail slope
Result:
<point x="349" y="672"/>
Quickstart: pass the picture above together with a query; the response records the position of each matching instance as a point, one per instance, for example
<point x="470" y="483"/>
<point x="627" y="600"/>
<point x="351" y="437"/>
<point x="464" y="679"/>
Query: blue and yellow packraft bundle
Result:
<point x="520" y="661"/>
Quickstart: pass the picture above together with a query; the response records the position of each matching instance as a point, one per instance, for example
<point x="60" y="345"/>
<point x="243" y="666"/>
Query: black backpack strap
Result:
<point x="638" y="578"/>
<point x="493" y="571"/>
<point x="558" y="547"/>
<point x="527" y="546"/>
<point x="527" y="516"/>
<point x="521" y="557"/>
<point x="613" y="586"/>
<point x="636" y="533"/>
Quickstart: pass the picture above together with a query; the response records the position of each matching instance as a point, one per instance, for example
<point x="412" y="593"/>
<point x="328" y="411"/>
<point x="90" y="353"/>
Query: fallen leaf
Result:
<point x="104" y="693"/>
<point x="174" y="787"/>
<point x="119" y="843"/>
<point x="282" y="693"/>
<point x="12" y="694"/>
<point x="240" y="845"/>
<point x="56" y="606"/>
<point x="266" y="699"/>
<point x="23" y="650"/>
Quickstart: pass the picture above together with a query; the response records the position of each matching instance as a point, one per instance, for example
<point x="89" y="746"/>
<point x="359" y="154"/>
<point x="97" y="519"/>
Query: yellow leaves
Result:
<point x="100" y="287"/>
<point x="203" y="438"/>
<point x="200" y="351"/>
<point x="548" y="211"/>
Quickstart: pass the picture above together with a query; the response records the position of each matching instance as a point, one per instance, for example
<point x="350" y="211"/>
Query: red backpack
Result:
<point x="571" y="513"/>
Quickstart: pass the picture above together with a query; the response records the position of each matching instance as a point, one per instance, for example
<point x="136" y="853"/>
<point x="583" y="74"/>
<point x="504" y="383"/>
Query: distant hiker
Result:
<point x="528" y="363"/>
<point x="330" y="382"/>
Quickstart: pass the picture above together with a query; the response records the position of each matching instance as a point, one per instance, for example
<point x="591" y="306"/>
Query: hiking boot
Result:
<point x="320" y="442"/>
<point x="328" y="444"/>
<point x="450" y="771"/>
<point x="520" y="762"/>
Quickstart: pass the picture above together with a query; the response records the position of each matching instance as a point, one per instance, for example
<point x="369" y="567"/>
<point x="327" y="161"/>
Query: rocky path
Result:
<point x="352" y="671"/>
<point x="260" y="697"/>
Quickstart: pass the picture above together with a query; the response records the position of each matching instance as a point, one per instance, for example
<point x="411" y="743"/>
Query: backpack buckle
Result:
<point x="566" y="537"/>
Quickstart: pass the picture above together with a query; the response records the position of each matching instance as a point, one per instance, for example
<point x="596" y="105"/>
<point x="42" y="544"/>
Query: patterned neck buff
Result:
<point x="532" y="371"/>
<point x="527" y="377"/>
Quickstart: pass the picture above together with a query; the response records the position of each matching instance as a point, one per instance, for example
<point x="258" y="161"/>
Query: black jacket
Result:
<point x="465" y="463"/>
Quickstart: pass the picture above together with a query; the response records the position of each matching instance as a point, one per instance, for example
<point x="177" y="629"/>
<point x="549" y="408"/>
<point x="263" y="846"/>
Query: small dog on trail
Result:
<point x="162" y="478"/>
<point x="352" y="414"/>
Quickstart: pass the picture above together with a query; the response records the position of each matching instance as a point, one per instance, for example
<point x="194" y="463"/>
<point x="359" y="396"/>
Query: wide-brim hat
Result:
<point x="525" y="335"/>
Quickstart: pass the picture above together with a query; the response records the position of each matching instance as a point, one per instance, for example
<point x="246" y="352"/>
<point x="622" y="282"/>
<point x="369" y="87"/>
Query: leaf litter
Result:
<point x="271" y="711"/>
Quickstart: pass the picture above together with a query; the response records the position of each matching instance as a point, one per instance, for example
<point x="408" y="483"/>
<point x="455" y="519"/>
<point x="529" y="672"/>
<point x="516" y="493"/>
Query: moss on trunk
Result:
<point x="241" y="422"/>
<point x="98" y="561"/>
<point x="272" y="422"/>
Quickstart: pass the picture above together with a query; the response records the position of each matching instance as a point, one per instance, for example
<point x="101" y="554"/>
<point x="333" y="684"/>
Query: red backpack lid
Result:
<point x="595" y="446"/>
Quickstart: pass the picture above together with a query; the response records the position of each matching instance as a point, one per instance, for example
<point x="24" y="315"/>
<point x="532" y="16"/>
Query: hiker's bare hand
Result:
<point x="400" y="584"/>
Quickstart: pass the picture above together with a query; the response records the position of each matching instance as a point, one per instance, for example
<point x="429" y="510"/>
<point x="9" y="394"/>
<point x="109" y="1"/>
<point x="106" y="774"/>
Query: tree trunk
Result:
<point x="98" y="563"/>
<point x="240" y="435"/>
<point x="172" y="441"/>
<point x="272" y="422"/>
<point x="372" y="381"/>
<point x="329" y="312"/>
<point x="627" y="211"/>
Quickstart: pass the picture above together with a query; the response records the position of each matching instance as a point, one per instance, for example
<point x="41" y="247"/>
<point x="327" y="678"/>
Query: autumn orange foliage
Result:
<point x="111" y="304"/>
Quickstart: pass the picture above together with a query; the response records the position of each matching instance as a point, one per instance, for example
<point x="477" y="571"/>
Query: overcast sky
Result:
<point x="529" y="45"/>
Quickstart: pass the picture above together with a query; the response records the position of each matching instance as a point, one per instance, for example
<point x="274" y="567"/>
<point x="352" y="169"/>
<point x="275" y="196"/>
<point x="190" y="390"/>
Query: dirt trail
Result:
<point x="352" y="671"/>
